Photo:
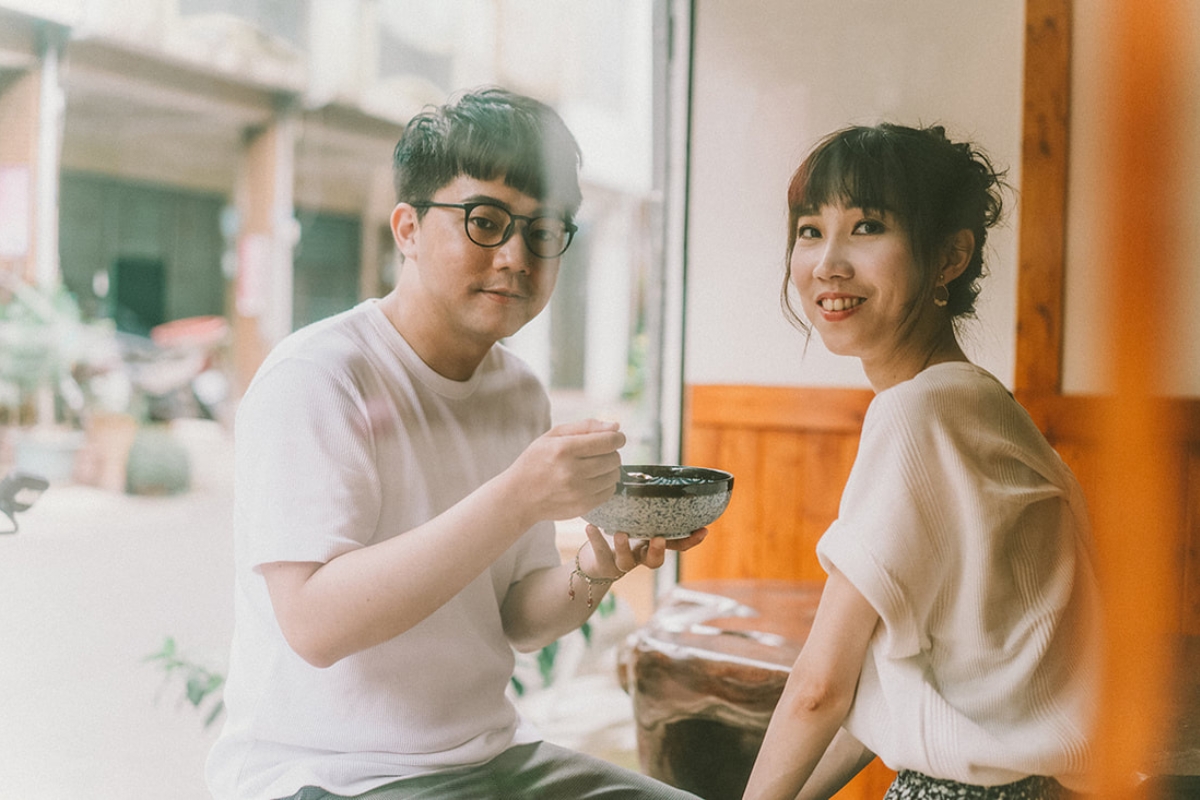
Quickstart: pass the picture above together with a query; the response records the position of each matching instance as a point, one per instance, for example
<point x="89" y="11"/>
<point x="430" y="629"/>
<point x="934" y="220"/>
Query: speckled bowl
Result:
<point x="665" y="501"/>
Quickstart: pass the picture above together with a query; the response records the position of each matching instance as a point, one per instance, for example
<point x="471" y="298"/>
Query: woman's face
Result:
<point x="860" y="284"/>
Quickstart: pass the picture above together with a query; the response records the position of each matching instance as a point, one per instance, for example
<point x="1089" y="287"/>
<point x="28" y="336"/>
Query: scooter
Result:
<point x="174" y="370"/>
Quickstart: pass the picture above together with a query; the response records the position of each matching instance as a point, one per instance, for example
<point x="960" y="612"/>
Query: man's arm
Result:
<point x="818" y="693"/>
<point x="368" y="596"/>
<point x="539" y="609"/>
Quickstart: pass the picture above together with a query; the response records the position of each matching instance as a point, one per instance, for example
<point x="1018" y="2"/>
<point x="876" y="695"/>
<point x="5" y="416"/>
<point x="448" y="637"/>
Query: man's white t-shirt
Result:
<point x="968" y="534"/>
<point x="346" y="438"/>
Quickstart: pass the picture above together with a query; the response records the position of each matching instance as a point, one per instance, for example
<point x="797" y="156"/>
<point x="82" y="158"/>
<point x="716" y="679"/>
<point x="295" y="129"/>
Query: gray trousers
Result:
<point x="538" y="771"/>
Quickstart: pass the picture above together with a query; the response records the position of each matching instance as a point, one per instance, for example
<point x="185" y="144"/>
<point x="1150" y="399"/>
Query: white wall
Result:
<point x="773" y="76"/>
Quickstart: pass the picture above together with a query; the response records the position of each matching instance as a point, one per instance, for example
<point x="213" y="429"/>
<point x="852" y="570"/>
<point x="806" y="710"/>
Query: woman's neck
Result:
<point x="902" y="367"/>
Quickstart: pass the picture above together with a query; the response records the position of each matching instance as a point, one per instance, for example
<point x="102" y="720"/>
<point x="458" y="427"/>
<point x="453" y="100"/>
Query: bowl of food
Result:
<point x="668" y="501"/>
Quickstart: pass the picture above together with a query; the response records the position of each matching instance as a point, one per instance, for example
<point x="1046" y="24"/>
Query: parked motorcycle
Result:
<point x="175" y="371"/>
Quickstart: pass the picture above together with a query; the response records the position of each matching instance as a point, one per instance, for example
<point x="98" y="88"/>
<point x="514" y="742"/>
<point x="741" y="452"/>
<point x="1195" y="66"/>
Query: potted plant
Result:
<point x="43" y="345"/>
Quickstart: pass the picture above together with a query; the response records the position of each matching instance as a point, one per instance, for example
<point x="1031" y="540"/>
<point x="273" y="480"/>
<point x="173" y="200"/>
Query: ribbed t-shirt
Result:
<point x="346" y="438"/>
<point x="969" y="536"/>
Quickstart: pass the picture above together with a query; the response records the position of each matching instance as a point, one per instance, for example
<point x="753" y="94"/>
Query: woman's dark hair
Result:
<point x="486" y="134"/>
<point x="933" y="186"/>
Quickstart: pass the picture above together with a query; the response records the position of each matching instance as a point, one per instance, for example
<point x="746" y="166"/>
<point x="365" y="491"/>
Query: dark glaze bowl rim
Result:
<point x="694" y="481"/>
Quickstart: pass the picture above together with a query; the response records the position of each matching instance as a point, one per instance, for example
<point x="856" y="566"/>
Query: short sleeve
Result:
<point x="887" y="538"/>
<point x="306" y="485"/>
<point x="537" y="549"/>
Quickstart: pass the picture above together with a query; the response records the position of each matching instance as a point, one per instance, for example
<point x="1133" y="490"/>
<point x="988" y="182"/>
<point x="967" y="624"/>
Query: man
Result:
<point x="396" y="487"/>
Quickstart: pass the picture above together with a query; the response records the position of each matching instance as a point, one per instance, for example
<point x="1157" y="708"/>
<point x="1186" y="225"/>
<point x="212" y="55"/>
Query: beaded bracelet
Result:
<point x="588" y="578"/>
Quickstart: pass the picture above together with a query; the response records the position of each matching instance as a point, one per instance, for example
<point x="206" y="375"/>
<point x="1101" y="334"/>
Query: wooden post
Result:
<point x="1040" y="278"/>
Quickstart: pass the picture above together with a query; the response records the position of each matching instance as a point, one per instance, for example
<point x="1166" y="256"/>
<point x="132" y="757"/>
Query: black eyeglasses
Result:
<point x="490" y="225"/>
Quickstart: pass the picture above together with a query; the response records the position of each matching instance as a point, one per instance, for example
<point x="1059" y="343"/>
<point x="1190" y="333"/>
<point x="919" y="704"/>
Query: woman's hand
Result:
<point x="625" y="553"/>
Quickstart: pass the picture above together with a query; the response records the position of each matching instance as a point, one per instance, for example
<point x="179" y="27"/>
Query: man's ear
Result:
<point x="405" y="229"/>
<point x="957" y="254"/>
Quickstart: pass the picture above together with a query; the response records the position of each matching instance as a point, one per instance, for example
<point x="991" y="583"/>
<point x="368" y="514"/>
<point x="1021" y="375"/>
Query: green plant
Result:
<point x="200" y="683"/>
<point x="43" y="343"/>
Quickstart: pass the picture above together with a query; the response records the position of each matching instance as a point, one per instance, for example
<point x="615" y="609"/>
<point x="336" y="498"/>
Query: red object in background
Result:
<point x="201" y="332"/>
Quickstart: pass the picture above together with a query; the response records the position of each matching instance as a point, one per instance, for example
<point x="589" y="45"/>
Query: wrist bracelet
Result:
<point x="588" y="579"/>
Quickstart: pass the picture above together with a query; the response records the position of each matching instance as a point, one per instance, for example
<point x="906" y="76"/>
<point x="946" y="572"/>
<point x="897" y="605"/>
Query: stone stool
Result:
<point x="705" y="673"/>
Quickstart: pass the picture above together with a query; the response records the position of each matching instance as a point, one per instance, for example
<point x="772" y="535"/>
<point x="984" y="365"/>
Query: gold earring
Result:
<point x="941" y="294"/>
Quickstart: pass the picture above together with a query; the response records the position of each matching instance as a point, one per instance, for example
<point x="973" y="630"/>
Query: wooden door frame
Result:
<point x="1042" y="248"/>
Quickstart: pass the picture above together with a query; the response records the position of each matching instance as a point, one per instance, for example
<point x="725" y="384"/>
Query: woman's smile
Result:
<point x="834" y="304"/>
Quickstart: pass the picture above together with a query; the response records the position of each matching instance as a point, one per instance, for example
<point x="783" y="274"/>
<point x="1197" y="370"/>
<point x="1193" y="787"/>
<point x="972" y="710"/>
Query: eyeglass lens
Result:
<point x="491" y="226"/>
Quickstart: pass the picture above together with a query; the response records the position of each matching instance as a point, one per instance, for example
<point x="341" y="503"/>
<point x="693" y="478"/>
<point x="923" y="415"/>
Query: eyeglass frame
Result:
<point x="569" y="227"/>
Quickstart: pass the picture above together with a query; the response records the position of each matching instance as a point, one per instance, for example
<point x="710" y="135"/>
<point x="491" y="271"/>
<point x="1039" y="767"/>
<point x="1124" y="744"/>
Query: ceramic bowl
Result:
<point x="667" y="501"/>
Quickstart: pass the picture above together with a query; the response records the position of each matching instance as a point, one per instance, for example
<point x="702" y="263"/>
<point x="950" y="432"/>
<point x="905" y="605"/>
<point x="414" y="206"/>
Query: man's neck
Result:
<point x="456" y="360"/>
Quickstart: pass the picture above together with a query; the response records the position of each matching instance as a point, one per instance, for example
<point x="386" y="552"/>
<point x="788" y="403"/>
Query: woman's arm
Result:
<point x="844" y="759"/>
<point x="818" y="693"/>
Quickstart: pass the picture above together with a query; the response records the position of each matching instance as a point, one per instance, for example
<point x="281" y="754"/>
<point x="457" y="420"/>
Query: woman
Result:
<point x="956" y="634"/>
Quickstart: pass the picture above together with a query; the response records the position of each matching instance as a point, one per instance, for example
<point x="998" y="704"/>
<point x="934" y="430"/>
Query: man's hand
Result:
<point x="569" y="470"/>
<point x="627" y="553"/>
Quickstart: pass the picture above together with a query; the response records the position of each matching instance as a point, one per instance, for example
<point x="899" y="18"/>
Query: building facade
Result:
<point x="164" y="159"/>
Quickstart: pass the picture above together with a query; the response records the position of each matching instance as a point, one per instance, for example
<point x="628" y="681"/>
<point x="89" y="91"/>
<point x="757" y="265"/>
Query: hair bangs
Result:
<point x="847" y="171"/>
<point x="526" y="160"/>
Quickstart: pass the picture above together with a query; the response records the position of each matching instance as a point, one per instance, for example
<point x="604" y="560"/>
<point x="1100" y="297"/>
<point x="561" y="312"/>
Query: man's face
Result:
<point x="474" y="293"/>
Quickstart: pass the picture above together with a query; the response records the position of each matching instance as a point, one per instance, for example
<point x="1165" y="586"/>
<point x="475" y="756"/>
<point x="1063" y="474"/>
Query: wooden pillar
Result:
<point x="1043" y="206"/>
<point x="261" y="303"/>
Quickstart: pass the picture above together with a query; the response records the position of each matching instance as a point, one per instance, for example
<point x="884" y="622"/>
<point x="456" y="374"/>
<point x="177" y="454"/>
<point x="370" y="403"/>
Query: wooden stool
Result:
<point x="705" y="673"/>
<point x="708" y="668"/>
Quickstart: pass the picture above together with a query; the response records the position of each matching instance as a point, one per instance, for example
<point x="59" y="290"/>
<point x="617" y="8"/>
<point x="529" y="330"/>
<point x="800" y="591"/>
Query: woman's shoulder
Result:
<point x="951" y="378"/>
<point x="954" y="402"/>
<point x="963" y="405"/>
<point x="956" y="389"/>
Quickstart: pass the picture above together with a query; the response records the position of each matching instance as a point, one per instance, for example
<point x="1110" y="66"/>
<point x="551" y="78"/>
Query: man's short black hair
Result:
<point x="488" y="134"/>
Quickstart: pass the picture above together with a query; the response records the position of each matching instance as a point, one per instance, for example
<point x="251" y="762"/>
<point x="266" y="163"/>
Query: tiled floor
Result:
<point x="95" y="581"/>
<point x="92" y="584"/>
